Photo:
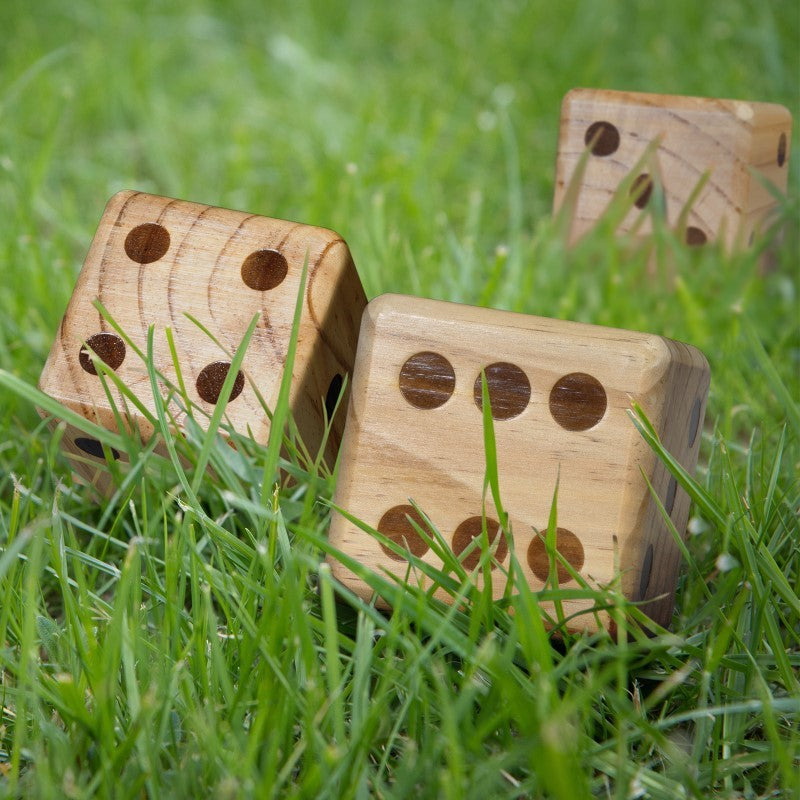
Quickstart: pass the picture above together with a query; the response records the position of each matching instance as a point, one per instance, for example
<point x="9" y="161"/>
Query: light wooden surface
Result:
<point x="155" y="259"/>
<point x="560" y="399"/>
<point x="740" y="144"/>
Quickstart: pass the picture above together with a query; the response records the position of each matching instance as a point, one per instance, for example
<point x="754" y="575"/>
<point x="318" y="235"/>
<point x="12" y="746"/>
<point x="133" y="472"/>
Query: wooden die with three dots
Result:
<point x="740" y="148"/>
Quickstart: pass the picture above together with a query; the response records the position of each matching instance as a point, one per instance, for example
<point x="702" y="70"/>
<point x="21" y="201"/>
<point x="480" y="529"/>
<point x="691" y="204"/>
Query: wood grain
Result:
<point x="740" y="144"/>
<point x="154" y="260"/>
<point x="395" y="451"/>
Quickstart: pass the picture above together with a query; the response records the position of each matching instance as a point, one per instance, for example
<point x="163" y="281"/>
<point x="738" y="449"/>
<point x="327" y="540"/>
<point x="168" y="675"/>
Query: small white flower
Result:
<point x="726" y="562"/>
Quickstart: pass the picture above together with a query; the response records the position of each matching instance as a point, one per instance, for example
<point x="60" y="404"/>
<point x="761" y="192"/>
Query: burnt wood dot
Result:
<point x="211" y="378"/>
<point x="782" y="150"/>
<point x="672" y="491"/>
<point x="93" y="448"/>
<point x="264" y="269"/>
<point x="427" y="380"/>
<point x="695" y="237"/>
<point x="647" y="568"/>
<point x="332" y="395"/>
<point x="107" y="346"/>
<point x="147" y="243"/>
<point x="570" y="547"/>
<point x="694" y="422"/>
<point x="641" y="190"/>
<point x="471" y="529"/>
<point x="602" y="138"/>
<point x="578" y="401"/>
<point x="509" y="390"/>
<point x="396" y="526"/>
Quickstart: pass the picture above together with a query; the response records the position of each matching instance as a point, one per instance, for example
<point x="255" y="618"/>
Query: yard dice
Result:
<point x="560" y="395"/>
<point x="157" y="261"/>
<point x="743" y="146"/>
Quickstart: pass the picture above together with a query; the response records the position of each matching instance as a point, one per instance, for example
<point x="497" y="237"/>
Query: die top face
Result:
<point x="726" y="138"/>
<point x="560" y="394"/>
<point x="155" y="259"/>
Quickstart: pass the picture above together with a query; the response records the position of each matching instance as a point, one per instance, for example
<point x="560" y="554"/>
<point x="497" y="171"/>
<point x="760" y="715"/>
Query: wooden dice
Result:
<point x="153" y="261"/>
<point x="560" y="394"/>
<point x="743" y="148"/>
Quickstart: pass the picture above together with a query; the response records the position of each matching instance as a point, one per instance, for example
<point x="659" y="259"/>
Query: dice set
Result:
<point x="559" y="392"/>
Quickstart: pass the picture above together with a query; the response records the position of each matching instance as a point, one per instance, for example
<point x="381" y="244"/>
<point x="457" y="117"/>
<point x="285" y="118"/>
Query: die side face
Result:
<point x="154" y="259"/>
<point x="655" y="552"/>
<point x="560" y="396"/>
<point x="726" y="139"/>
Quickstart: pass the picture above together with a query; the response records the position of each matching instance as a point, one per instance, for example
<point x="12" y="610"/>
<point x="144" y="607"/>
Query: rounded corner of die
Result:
<point x="379" y="308"/>
<point x="119" y="199"/>
<point x="785" y="113"/>
<point x="575" y="93"/>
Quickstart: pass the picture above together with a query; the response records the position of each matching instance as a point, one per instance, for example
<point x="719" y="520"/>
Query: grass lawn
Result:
<point x="182" y="640"/>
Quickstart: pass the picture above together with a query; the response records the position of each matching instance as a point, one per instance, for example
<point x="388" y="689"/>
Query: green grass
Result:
<point x="182" y="640"/>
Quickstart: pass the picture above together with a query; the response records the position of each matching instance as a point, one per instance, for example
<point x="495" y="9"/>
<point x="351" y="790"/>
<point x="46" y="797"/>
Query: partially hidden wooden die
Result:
<point x="156" y="261"/>
<point x="743" y="146"/>
<point x="560" y="395"/>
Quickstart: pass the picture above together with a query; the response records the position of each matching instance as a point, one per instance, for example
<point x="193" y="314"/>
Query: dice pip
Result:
<point x="743" y="147"/>
<point x="560" y="393"/>
<point x="154" y="260"/>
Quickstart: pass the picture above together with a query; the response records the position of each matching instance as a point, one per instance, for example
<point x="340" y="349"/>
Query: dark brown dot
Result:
<point x="509" y="390"/>
<point x="94" y="448"/>
<point x="694" y="422"/>
<point x="602" y="138"/>
<point x="147" y="243"/>
<point x="647" y="567"/>
<point x="578" y="401"/>
<point x="641" y="190"/>
<point x="695" y="237"/>
<point x="108" y="346"/>
<point x="264" y="269"/>
<point x="672" y="491"/>
<point x="471" y="529"/>
<point x="427" y="380"/>
<point x="396" y="526"/>
<point x="332" y="395"/>
<point x="570" y="547"/>
<point x="210" y="380"/>
<point x="782" y="150"/>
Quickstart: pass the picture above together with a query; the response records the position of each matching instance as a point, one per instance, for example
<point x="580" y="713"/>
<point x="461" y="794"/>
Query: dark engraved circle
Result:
<point x="94" y="448"/>
<point x="568" y="544"/>
<point x="332" y="395"/>
<point x="647" y="566"/>
<point x="264" y="269"/>
<point x="602" y="138"/>
<point x="642" y="189"/>
<point x="694" y="422"/>
<point x="578" y="401"/>
<point x="427" y="380"/>
<point x="210" y="380"/>
<point x="147" y="243"/>
<point x="395" y="525"/>
<point x="108" y="346"/>
<point x="471" y="529"/>
<point x="509" y="390"/>
<point x="672" y="491"/>
<point x="782" y="150"/>
<point x="695" y="237"/>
